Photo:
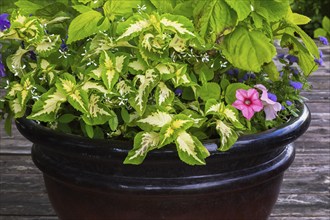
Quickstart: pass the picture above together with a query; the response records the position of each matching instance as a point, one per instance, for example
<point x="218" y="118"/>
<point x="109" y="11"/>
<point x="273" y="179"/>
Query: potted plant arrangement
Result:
<point x="101" y="86"/>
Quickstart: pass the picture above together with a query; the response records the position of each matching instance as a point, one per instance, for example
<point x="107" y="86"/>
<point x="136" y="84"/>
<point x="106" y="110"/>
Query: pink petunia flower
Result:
<point x="248" y="102"/>
<point x="270" y="107"/>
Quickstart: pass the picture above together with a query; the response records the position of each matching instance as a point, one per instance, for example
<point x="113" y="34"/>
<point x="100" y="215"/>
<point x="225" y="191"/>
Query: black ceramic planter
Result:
<point x="86" y="179"/>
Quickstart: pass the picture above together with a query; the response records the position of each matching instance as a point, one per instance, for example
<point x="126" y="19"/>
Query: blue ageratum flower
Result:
<point x="288" y="102"/>
<point x="319" y="61"/>
<point x="292" y="59"/>
<point x="296" y="85"/>
<point x="324" y="40"/>
<point x="4" y="22"/>
<point x="272" y="96"/>
<point x="2" y="68"/>
<point x="178" y="92"/>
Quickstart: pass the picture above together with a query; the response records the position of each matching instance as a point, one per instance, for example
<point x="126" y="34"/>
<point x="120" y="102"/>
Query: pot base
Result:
<point x="72" y="203"/>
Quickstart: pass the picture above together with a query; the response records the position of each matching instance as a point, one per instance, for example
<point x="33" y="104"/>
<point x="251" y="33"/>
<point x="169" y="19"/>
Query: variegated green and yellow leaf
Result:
<point x="79" y="100"/>
<point x="212" y="107"/>
<point x="178" y="44"/>
<point x="67" y="83"/>
<point x="48" y="45"/>
<point x="196" y="117"/>
<point x="14" y="62"/>
<point x="109" y="74"/>
<point x="228" y="136"/>
<point x="143" y="143"/>
<point x="97" y="113"/>
<point x="121" y="61"/>
<point x="14" y="88"/>
<point x="179" y="24"/>
<point x="17" y="108"/>
<point x="169" y="131"/>
<point x="89" y="85"/>
<point x="181" y="76"/>
<point x="147" y="83"/>
<point x="137" y="66"/>
<point x="96" y="73"/>
<point x="123" y="88"/>
<point x="155" y="121"/>
<point x="46" y="108"/>
<point x="132" y="27"/>
<point x="190" y="149"/>
<point x="231" y="114"/>
<point x="29" y="28"/>
<point x="163" y="95"/>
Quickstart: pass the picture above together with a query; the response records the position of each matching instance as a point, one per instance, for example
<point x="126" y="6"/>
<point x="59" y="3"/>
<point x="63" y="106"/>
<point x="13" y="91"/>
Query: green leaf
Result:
<point x="113" y="123"/>
<point x="89" y="130"/>
<point x="306" y="60"/>
<point x="190" y="149"/>
<point x="248" y="50"/>
<point x="230" y="95"/>
<point x="82" y="8"/>
<point x="46" y="108"/>
<point x="213" y="18"/>
<point x="308" y="41"/>
<point x="87" y="24"/>
<point x="243" y="8"/>
<point x="297" y="19"/>
<point x="27" y="7"/>
<point x="143" y="143"/>
<point x="66" y="118"/>
<point x="164" y="6"/>
<point x="272" y="10"/>
<point x="125" y="115"/>
<point x="271" y="70"/>
<point x="228" y="136"/>
<point x="209" y="90"/>
<point x="326" y="24"/>
<point x="118" y="8"/>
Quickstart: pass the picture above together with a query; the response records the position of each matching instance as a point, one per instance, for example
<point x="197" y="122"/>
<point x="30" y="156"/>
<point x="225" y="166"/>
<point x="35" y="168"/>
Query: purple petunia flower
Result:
<point x="324" y="40"/>
<point x="4" y="22"/>
<point x="292" y="59"/>
<point x="280" y="56"/>
<point x="2" y="68"/>
<point x="272" y="96"/>
<point x="296" y="85"/>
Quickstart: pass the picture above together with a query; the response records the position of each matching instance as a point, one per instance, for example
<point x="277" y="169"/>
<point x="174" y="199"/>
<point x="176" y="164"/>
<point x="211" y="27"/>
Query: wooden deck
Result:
<point x="305" y="193"/>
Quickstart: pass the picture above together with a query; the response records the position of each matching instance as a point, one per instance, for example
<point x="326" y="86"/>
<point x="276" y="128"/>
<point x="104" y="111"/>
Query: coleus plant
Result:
<point x="159" y="72"/>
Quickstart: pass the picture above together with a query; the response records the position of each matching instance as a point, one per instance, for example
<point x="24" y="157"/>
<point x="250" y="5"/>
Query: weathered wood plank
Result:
<point x="25" y="203"/>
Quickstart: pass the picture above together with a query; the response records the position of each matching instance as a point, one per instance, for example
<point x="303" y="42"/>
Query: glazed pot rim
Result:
<point x="266" y="140"/>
